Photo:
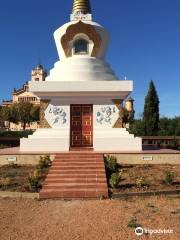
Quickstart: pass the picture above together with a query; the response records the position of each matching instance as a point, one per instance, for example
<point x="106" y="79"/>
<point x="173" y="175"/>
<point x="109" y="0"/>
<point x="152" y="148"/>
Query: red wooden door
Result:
<point x="81" y="125"/>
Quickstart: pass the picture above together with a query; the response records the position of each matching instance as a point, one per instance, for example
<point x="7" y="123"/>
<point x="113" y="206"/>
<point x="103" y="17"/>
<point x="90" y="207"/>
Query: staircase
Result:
<point x="76" y="175"/>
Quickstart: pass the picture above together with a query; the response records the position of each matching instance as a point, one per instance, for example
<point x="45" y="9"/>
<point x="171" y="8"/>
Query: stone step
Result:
<point x="80" y="175"/>
<point x="94" y="163"/>
<point x="70" y="171"/>
<point x="73" y="194"/>
<point x="79" y="154"/>
<point x="80" y="167"/>
<point x="78" y="158"/>
<point x="74" y="186"/>
<point x="77" y="167"/>
<point x="57" y="164"/>
<point x="82" y="162"/>
<point x="74" y="180"/>
<point x="76" y="175"/>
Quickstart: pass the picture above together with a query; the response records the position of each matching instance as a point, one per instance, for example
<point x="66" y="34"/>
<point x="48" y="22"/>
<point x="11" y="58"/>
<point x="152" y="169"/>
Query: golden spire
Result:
<point x="82" y="6"/>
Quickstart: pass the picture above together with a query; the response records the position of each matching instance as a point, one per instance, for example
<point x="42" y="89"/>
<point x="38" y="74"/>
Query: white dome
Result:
<point x="81" y="68"/>
<point x="74" y="67"/>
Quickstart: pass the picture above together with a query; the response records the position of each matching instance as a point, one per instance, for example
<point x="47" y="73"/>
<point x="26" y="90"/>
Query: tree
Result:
<point x="9" y="114"/>
<point x="1" y="114"/>
<point x="1" y="117"/>
<point x="127" y="117"/>
<point x="151" y="111"/>
<point x="137" y="127"/>
<point x="24" y="113"/>
<point x="169" y="126"/>
<point x="35" y="113"/>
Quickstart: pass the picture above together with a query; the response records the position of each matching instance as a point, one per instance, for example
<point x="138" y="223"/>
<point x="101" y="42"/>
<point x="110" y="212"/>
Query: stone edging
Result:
<point x="149" y="193"/>
<point x="4" y="194"/>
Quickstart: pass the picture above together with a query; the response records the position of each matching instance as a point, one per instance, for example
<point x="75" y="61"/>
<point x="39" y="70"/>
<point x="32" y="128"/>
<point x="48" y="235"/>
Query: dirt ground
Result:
<point x="153" y="177"/>
<point x="17" y="177"/>
<point x="22" y="219"/>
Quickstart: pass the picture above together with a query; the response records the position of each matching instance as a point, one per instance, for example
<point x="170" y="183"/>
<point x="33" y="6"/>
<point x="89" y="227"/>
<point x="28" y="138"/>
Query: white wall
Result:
<point x="105" y="113"/>
<point x="105" y="137"/>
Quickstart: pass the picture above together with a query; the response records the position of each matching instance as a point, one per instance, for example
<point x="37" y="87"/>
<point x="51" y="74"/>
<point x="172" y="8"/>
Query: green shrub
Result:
<point x="33" y="182"/>
<point x="139" y="182"/>
<point x="110" y="164"/>
<point x="175" y="145"/>
<point x="13" y="165"/>
<point x="114" y="180"/>
<point x="44" y="162"/>
<point x="169" y="177"/>
<point x="19" y="134"/>
<point x="39" y="171"/>
<point x="11" y="174"/>
<point x="133" y="223"/>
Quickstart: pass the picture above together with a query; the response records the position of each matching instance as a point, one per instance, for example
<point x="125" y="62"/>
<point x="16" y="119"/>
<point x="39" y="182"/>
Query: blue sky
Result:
<point x="144" y="44"/>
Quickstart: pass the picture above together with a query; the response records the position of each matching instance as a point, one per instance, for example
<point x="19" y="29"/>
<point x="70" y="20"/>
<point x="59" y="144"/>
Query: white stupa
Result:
<point x="81" y="99"/>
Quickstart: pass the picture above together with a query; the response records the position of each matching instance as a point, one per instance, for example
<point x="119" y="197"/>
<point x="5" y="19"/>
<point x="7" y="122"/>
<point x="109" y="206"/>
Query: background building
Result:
<point x="23" y="95"/>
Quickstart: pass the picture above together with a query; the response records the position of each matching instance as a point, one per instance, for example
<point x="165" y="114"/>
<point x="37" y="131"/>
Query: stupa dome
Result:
<point x="81" y="68"/>
<point x="82" y="48"/>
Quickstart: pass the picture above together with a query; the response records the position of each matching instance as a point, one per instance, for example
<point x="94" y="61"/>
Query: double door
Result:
<point x="81" y="125"/>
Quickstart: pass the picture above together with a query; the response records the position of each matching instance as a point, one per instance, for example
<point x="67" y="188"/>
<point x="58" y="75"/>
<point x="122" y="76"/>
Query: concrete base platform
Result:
<point x="57" y="140"/>
<point x="43" y="140"/>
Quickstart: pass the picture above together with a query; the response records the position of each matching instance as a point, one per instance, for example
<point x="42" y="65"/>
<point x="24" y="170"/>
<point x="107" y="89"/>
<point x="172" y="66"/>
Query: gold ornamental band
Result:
<point x="82" y="6"/>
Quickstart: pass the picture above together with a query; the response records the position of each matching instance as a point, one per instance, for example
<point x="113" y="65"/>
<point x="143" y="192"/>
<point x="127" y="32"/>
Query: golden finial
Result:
<point x="82" y="6"/>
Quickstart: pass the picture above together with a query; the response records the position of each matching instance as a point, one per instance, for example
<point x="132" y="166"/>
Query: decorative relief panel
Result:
<point x="56" y="116"/>
<point x="105" y="114"/>
<point x="81" y="16"/>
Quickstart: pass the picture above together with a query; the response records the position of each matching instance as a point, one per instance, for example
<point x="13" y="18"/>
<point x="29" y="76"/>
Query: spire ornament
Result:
<point x="81" y="6"/>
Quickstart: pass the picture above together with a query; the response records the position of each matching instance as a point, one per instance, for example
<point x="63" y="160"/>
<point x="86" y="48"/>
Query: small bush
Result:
<point x="139" y="182"/>
<point x="37" y="173"/>
<point x="133" y="223"/>
<point x="10" y="174"/>
<point x="175" y="145"/>
<point x="5" y="182"/>
<point x="115" y="180"/>
<point x="18" y="134"/>
<point x="40" y="169"/>
<point x="110" y="164"/>
<point x="169" y="177"/>
<point x="33" y="182"/>
<point x="44" y="162"/>
<point x="13" y="165"/>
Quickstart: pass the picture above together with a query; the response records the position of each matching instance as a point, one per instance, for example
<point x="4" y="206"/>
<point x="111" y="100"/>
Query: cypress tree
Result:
<point x="151" y="111"/>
